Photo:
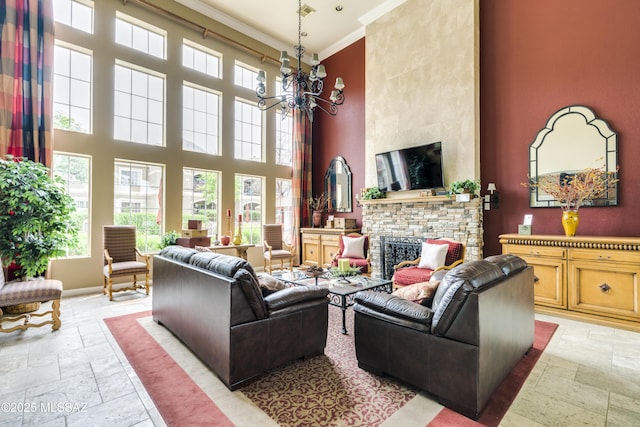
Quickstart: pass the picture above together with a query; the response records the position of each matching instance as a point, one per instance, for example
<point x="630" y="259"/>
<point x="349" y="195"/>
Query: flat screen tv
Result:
<point x="413" y="168"/>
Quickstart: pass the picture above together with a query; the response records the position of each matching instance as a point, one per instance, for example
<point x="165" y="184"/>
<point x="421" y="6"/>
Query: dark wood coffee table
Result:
<point x="341" y="291"/>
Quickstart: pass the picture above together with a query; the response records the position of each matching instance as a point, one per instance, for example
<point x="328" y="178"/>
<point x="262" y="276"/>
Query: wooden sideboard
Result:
<point x="319" y="245"/>
<point x="585" y="278"/>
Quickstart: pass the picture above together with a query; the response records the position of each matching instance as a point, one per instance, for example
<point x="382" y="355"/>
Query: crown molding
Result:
<point x="341" y="44"/>
<point x="223" y="18"/>
<point x="379" y="11"/>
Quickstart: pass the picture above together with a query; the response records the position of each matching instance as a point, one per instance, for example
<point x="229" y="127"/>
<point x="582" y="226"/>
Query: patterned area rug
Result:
<point x="329" y="390"/>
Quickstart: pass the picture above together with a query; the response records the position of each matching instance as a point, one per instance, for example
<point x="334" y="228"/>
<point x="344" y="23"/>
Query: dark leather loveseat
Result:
<point x="214" y="305"/>
<point x="480" y="324"/>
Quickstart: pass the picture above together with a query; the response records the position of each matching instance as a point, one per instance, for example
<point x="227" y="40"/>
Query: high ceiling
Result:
<point x="275" y="22"/>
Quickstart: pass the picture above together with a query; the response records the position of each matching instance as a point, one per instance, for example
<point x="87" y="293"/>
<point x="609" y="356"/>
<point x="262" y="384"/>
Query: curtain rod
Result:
<point x="207" y="32"/>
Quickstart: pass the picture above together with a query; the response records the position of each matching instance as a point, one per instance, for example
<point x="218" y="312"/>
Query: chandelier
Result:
<point x="300" y="90"/>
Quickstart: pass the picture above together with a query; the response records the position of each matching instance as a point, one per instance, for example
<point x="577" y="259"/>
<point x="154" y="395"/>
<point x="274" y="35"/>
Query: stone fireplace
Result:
<point x="421" y="217"/>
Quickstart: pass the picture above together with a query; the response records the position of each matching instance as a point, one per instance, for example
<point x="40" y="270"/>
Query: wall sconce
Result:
<point x="491" y="200"/>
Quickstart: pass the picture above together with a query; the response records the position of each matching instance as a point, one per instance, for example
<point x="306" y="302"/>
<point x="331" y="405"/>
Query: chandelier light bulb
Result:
<point x="339" y="83"/>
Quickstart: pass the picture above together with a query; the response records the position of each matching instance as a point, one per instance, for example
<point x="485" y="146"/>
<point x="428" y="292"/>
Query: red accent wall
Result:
<point x="343" y="134"/>
<point x="536" y="57"/>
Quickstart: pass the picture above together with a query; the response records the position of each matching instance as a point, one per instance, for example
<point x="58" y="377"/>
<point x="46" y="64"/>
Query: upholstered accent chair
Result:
<point x="432" y="259"/>
<point x="121" y="259"/>
<point x="355" y="248"/>
<point x="275" y="249"/>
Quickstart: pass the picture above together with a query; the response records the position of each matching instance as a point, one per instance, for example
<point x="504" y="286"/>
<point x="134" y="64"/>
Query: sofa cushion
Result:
<point x="410" y="275"/>
<point x="392" y="306"/>
<point x="421" y="293"/>
<point x="508" y="263"/>
<point x="454" y="289"/>
<point x="432" y="256"/>
<point x="178" y="253"/>
<point x="454" y="252"/>
<point x="252" y="292"/>
<point x="353" y="247"/>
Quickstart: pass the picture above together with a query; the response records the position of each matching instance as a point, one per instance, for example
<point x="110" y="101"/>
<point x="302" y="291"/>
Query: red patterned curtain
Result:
<point x="301" y="185"/>
<point x="26" y="62"/>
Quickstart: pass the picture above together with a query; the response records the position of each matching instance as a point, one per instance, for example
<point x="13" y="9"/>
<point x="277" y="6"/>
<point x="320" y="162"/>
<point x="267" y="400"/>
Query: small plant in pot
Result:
<point x="465" y="187"/>
<point x="35" y="216"/>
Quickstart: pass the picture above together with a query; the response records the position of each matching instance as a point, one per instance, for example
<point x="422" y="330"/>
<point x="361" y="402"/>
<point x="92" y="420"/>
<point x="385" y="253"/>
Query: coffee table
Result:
<point x="341" y="291"/>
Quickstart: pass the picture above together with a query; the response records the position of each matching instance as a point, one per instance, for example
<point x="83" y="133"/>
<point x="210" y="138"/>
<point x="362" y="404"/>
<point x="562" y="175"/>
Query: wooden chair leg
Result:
<point x="104" y="285"/>
<point x="55" y="315"/>
<point x="146" y="283"/>
<point x="110" y="290"/>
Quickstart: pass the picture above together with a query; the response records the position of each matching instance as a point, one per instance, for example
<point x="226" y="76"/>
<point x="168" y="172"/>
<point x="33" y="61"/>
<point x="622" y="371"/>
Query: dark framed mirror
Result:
<point x="573" y="140"/>
<point x="337" y="186"/>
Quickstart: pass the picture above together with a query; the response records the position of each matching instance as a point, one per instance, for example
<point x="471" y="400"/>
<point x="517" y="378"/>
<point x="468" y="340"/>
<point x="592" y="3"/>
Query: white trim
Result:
<point x="223" y="18"/>
<point x="379" y="11"/>
<point x="341" y="44"/>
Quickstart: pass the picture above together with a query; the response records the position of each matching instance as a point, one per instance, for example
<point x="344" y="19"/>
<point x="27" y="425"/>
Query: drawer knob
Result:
<point x="536" y="279"/>
<point x="605" y="288"/>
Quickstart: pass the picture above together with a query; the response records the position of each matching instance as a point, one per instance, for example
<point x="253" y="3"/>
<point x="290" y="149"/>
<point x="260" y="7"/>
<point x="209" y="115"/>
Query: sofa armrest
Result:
<point x="294" y="295"/>
<point x="394" y="307"/>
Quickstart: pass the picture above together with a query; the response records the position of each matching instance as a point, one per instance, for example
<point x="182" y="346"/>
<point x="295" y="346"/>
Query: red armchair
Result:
<point x="356" y="250"/>
<point x="420" y="269"/>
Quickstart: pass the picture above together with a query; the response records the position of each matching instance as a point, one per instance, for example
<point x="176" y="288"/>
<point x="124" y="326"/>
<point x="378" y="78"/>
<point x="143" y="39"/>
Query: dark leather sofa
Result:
<point x="480" y="324"/>
<point x="214" y="305"/>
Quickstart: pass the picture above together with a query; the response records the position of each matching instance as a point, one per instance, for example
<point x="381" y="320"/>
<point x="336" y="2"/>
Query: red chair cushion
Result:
<point x="454" y="253"/>
<point x="410" y="275"/>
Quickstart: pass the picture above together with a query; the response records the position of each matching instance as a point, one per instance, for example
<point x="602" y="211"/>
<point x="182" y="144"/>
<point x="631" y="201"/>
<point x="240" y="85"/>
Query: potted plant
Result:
<point x="318" y="205"/>
<point x="464" y="190"/>
<point x="169" y="238"/>
<point x="35" y="216"/>
<point x="373" y="193"/>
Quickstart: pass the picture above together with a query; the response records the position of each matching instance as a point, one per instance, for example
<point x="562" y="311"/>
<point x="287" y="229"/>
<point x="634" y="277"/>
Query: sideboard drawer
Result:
<point x="536" y="251"/>
<point x="605" y="255"/>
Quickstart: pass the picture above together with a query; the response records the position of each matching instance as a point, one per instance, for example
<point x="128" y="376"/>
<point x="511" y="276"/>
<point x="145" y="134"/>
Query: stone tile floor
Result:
<point x="589" y="375"/>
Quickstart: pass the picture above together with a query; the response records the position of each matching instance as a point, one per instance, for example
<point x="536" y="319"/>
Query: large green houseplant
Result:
<point x="35" y="216"/>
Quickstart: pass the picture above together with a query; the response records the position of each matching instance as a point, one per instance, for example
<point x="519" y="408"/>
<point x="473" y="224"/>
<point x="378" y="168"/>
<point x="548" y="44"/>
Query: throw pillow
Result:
<point x="1" y="276"/>
<point x="353" y="247"/>
<point x="269" y="284"/>
<point x="432" y="256"/>
<point x="418" y="292"/>
<point x="455" y="249"/>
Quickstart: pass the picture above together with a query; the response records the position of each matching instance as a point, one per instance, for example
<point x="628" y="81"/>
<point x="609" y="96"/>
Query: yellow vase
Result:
<point x="570" y="221"/>
<point x="237" y="239"/>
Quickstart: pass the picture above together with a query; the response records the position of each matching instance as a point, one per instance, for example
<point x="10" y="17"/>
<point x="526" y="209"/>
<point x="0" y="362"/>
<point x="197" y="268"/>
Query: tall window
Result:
<point x="200" y="58"/>
<point x="72" y="88"/>
<point x="139" y="35"/>
<point x="200" y="198"/>
<point x="284" y="207"/>
<point x="249" y="201"/>
<point x="75" y="171"/>
<point x="245" y="76"/>
<point x="248" y="131"/>
<point x="138" y="105"/>
<point x="138" y="196"/>
<point x="200" y="119"/>
<point x="284" y="139"/>
<point x="74" y="13"/>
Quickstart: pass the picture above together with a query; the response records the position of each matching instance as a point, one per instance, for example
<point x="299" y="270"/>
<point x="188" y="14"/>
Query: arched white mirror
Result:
<point x="573" y="140"/>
